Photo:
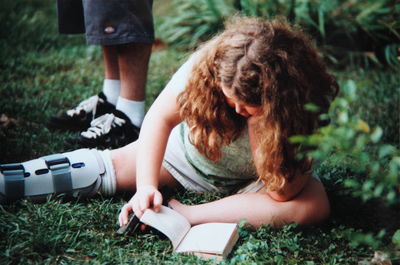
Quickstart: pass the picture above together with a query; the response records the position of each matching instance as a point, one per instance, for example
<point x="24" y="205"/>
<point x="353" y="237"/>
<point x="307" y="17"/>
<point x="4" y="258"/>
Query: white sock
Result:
<point x="133" y="109"/>
<point x="111" y="89"/>
<point x="109" y="183"/>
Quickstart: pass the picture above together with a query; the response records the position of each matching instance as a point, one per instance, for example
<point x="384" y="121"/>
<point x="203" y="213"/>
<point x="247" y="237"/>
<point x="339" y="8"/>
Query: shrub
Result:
<point x="348" y="31"/>
<point x="350" y="141"/>
<point x="194" y="22"/>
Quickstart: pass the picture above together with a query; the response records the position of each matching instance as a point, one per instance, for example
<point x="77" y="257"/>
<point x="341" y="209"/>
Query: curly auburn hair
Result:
<point x="265" y="63"/>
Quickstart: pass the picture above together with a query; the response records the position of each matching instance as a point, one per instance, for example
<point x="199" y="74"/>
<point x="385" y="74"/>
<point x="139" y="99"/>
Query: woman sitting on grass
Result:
<point x="223" y="124"/>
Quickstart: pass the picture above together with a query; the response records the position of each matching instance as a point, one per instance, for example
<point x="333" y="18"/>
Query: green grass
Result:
<point x="43" y="73"/>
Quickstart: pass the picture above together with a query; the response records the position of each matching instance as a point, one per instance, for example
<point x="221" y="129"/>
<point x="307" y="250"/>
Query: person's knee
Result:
<point x="123" y="155"/>
<point x="124" y="164"/>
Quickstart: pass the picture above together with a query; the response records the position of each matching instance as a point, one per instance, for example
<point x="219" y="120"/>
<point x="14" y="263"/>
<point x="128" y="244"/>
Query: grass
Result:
<point x="43" y="72"/>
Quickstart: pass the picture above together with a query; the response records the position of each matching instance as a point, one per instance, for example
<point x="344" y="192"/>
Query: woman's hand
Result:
<point x="146" y="197"/>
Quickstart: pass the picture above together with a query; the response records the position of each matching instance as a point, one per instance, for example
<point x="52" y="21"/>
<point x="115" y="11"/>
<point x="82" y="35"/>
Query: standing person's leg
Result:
<point x="80" y="117"/>
<point x="71" y="21"/>
<point x="133" y="73"/>
<point x="133" y="59"/>
<point x="110" y="60"/>
<point x="128" y="26"/>
<point x="125" y="31"/>
<point x="112" y="82"/>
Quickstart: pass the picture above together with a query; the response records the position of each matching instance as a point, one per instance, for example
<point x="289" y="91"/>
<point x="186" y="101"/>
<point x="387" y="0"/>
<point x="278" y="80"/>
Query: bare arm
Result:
<point x="255" y="208"/>
<point x="308" y="207"/>
<point x="157" y="125"/>
<point x="162" y="117"/>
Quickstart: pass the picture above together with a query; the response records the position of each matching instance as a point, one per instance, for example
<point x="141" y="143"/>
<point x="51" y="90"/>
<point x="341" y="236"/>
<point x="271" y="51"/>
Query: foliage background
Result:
<point x="357" y="156"/>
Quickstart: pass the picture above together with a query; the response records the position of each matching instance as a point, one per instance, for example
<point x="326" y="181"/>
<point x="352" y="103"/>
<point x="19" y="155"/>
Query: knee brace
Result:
<point x="73" y="173"/>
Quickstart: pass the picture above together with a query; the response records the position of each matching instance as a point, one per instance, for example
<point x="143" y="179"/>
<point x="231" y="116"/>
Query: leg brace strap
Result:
<point x="14" y="180"/>
<point x="59" y="167"/>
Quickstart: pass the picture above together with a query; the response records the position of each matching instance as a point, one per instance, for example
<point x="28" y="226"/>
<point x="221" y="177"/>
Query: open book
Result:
<point x="210" y="240"/>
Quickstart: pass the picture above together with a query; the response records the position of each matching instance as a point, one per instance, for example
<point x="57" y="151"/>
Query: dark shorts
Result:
<point x="107" y="22"/>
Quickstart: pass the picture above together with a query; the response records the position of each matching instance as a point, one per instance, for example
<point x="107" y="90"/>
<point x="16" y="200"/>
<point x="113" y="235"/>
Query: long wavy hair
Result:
<point x="265" y="63"/>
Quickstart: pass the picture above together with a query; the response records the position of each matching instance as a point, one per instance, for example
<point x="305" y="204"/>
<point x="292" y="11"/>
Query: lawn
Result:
<point x="43" y="72"/>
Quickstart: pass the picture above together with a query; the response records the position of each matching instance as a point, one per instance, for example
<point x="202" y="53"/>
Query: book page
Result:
<point x="214" y="238"/>
<point x="169" y="222"/>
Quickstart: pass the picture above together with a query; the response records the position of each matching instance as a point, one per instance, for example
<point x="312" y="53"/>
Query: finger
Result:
<point x="136" y="209"/>
<point x="157" y="201"/>
<point x="144" y="203"/>
<point x="124" y="214"/>
<point x="127" y="211"/>
<point x="120" y="217"/>
<point x="139" y="213"/>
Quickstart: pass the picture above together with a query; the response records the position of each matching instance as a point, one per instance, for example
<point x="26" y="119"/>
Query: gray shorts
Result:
<point x="107" y="22"/>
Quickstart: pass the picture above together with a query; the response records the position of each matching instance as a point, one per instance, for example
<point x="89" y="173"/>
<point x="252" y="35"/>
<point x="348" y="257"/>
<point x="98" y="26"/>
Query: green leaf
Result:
<point x="378" y="190"/>
<point x="297" y="139"/>
<point x="311" y="107"/>
<point x="368" y="11"/>
<point x="361" y="142"/>
<point x="351" y="183"/>
<point x="376" y="134"/>
<point x="321" y="22"/>
<point x="385" y="150"/>
<point x="350" y="89"/>
<point x="396" y="160"/>
<point x="363" y="126"/>
<point x="368" y="185"/>
<point x="396" y="238"/>
<point x="394" y="167"/>
<point x="391" y="196"/>
<point x="343" y="117"/>
<point x="315" y="139"/>
<point x="375" y="167"/>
